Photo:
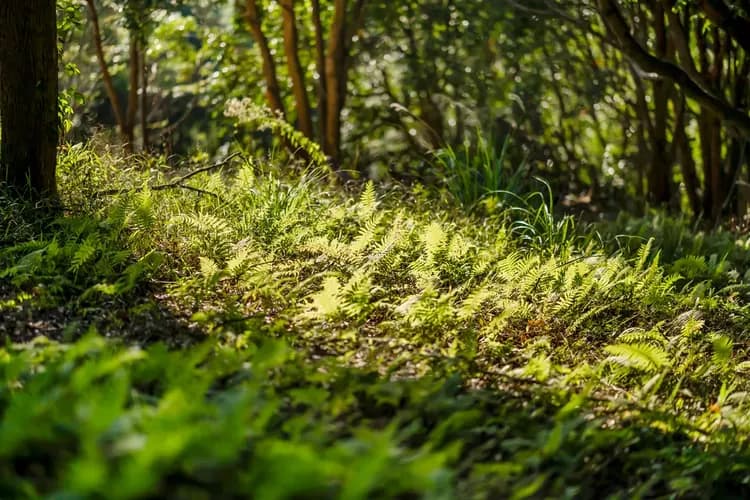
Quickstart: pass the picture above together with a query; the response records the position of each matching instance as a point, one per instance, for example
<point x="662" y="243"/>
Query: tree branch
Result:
<point x="618" y="27"/>
<point x="177" y="183"/>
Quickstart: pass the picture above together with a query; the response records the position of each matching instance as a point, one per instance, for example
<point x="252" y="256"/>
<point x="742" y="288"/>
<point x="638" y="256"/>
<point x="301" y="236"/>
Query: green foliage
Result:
<point x="249" y="113"/>
<point x="132" y="422"/>
<point x="480" y="176"/>
<point x="80" y="256"/>
<point x="718" y="257"/>
<point x="356" y="345"/>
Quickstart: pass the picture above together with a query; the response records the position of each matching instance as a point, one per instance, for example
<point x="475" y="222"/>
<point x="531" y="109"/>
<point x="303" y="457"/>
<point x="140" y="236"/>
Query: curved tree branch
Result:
<point x="618" y="27"/>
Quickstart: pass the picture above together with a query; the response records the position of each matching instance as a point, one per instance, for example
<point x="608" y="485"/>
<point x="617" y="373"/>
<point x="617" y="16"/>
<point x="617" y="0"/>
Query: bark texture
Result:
<point x="28" y="95"/>
<point x="296" y="72"/>
<point x="273" y="92"/>
<point x="335" y="81"/>
<point x="320" y="66"/>
<point x="124" y="116"/>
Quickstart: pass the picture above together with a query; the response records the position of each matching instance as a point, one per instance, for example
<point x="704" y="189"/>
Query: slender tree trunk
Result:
<point x="109" y="86"/>
<point x="685" y="156"/>
<point x="28" y="95"/>
<point x="660" y="168"/>
<point x="132" y="109"/>
<point x="143" y="71"/>
<point x="296" y="72"/>
<point x="320" y="65"/>
<point x="273" y="92"/>
<point x="641" y="159"/>
<point x="660" y="172"/>
<point x="717" y="174"/>
<point x="645" y="131"/>
<point x="335" y="81"/>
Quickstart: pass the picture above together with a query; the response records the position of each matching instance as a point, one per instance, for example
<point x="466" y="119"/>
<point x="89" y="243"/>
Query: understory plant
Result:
<point x="352" y="345"/>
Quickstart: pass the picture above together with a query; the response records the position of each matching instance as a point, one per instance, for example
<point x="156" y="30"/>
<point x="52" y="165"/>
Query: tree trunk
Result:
<point x="336" y="81"/>
<point x="684" y="154"/>
<point x="143" y="70"/>
<point x="708" y="124"/>
<point x="109" y="86"/>
<point x="296" y="72"/>
<point x="28" y="95"/>
<point x="320" y="65"/>
<point x="132" y="109"/>
<point x="660" y="171"/>
<point x="273" y="92"/>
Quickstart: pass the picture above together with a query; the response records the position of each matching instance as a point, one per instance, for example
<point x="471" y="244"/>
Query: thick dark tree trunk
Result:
<point x="28" y="95"/>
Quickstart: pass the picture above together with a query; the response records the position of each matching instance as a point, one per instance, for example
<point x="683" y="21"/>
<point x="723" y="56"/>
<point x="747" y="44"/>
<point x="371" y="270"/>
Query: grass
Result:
<point x="480" y="177"/>
<point x="285" y="339"/>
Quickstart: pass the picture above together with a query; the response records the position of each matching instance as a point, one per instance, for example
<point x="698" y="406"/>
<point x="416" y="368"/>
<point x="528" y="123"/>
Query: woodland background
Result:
<point x="382" y="86"/>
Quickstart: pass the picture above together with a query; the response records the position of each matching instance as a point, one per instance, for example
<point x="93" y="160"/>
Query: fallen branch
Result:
<point x="177" y="183"/>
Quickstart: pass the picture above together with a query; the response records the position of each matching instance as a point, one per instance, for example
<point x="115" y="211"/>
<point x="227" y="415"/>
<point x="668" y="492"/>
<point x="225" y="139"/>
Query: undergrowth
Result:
<point x="360" y="346"/>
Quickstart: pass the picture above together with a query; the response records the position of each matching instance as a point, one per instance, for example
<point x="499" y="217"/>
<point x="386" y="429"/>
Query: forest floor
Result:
<point x="248" y="334"/>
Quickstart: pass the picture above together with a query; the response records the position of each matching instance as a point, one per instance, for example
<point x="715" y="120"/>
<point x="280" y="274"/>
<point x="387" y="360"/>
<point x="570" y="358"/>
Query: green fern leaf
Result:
<point x="644" y="357"/>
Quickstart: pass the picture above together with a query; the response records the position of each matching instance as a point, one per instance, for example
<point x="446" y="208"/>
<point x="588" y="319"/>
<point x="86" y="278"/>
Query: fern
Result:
<point x="581" y="319"/>
<point x="367" y="233"/>
<point x="368" y="202"/>
<point x="356" y="295"/>
<point x="142" y="216"/>
<point x="639" y="336"/>
<point x="209" y="234"/>
<point x="246" y="111"/>
<point x="722" y="351"/>
<point x="85" y="252"/>
<point x="475" y="301"/>
<point x="643" y="254"/>
<point x="644" y="357"/>
<point x="325" y="303"/>
<point x="209" y="270"/>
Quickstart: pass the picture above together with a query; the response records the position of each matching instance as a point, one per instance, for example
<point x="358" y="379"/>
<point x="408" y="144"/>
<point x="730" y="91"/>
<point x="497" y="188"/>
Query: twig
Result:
<point x="198" y="190"/>
<point x="177" y="183"/>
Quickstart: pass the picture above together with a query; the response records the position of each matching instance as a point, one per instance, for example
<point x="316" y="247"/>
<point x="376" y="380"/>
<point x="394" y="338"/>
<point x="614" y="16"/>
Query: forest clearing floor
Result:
<point x="256" y="335"/>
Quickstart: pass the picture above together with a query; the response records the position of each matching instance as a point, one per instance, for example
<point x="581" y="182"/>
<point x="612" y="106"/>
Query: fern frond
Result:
<point x="367" y="201"/>
<point x="326" y="302"/>
<point x="644" y="357"/>
<point x="641" y="336"/>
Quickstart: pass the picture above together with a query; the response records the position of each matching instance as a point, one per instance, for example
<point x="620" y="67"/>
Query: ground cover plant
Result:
<point x="290" y="249"/>
<point x="249" y="332"/>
